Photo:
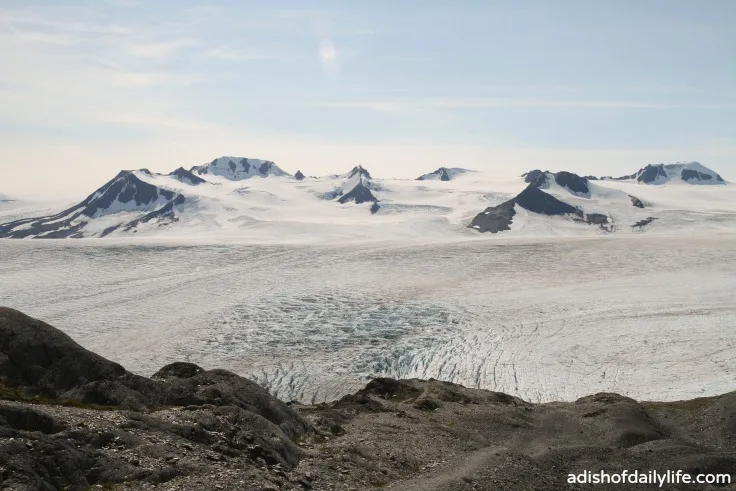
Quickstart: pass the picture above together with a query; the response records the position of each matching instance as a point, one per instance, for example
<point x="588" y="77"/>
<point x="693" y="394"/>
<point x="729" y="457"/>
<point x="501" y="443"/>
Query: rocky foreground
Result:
<point x="70" y="419"/>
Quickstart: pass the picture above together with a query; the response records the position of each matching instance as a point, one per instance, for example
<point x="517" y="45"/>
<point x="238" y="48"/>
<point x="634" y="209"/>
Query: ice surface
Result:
<point x="648" y="316"/>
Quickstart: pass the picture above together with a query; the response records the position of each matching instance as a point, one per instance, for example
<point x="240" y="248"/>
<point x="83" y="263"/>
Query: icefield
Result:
<point x="651" y="316"/>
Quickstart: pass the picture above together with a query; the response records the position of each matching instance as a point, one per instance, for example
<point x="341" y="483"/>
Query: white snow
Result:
<point x="452" y="173"/>
<point x="547" y="319"/>
<point x="311" y="297"/>
<point x="233" y="168"/>
<point x="280" y="209"/>
<point x="673" y="173"/>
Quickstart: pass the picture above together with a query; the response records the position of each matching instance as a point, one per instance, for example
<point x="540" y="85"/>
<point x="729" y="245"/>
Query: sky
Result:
<point x="605" y="87"/>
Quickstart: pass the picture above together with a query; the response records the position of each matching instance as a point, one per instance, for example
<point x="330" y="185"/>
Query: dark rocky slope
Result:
<point x="125" y="192"/>
<point x="499" y="218"/>
<point x="191" y="429"/>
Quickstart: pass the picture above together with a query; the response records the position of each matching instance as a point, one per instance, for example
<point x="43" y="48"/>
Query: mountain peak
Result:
<point x="689" y="172"/>
<point x="442" y="174"/>
<point x="358" y="170"/>
<point x="186" y="176"/>
<point x="238" y="168"/>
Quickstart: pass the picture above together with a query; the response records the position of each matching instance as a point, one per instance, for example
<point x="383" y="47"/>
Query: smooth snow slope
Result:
<point x="647" y="316"/>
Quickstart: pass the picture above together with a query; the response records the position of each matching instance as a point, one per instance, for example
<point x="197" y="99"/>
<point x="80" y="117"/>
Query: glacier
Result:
<point x="546" y="319"/>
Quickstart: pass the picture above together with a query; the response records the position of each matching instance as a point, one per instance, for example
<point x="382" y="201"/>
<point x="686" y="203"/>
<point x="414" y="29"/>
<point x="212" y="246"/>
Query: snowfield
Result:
<point x="647" y="315"/>
<point x="254" y="201"/>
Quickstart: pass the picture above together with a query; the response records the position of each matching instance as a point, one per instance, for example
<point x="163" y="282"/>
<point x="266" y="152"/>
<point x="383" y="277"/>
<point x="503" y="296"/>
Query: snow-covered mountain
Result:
<point x="5" y="198"/>
<point x="186" y="176"/>
<point x="217" y="201"/>
<point x="237" y="168"/>
<point x="689" y="172"/>
<point x="442" y="174"/>
<point x="568" y="195"/>
<point x="355" y="187"/>
<point x="122" y="203"/>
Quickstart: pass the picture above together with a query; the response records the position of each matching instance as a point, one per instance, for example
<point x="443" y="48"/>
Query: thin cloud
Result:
<point x="452" y="103"/>
<point x="228" y="53"/>
<point x="160" y="49"/>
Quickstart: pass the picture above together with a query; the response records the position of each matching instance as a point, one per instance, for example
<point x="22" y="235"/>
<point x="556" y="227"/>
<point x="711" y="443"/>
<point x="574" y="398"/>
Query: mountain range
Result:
<point x="242" y="196"/>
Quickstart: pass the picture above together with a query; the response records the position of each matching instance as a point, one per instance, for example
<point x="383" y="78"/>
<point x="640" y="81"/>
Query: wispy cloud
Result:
<point x="226" y="52"/>
<point x="491" y="103"/>
<point x="162" y="49"/>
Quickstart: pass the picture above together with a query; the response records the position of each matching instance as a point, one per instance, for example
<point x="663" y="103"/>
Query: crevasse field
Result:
<point x="649" y="316"/>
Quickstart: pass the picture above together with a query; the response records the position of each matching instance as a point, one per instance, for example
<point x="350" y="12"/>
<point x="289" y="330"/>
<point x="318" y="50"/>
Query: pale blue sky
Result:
<point x="402" y="87"/>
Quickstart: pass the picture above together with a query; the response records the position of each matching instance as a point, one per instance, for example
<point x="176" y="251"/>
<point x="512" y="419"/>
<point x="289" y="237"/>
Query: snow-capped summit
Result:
<point x="689" y="172"/>
<point x="237" y="168"/>
<point x="357" y="170"/>
<point x="569" y="181"/>
<point x="356" y="187"/>
<point x="128" y="197"/>
<point x="442" y="174"/>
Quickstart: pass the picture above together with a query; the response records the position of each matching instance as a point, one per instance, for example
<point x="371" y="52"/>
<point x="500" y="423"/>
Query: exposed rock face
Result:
<point x="442" y="174"/>
<point x="359" y="194"/>
<point x="643" y="223"/>
<point x="408" y="435"/>
<point x="299" y="176"/>
<point x="126" y="192"/>
<point x="690" y="172"/>
<point x="531" y="177"/>
<point x="636" y="202"/>
<point x="495" y="219"/>
<point x="651" y="173"/>
<point x="537" y="201"/>
<point x="359" y="170"/>
<point x="356" y="188"/>
<point x="694" y="175"/>
<point x="238" y="168"/>
<point x="44" y="360"/>
<point x="40" y="359"/>
<point x="573" y="182"/>
<point x="499" y="218"/>
<point x="187" y="177"/>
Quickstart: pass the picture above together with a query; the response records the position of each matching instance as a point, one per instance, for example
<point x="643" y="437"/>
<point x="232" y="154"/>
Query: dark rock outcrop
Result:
<point x="531" y="177"/>
<point x="44" y="360"/>
<point x="636" y="202"/>
<point x="359" y="194"/>
<point x="390" y="434"/>
<point x="187" y="176"/>
<point x="643" y="223"/>
<point x="39" y="359"/>
<point x="299" y="176"/>
<point x="693" y="175"/>
<point x="573" y="182"/>
<point x="495" y="219"/>
<point x="358" y="169"/>
<point x="568" y="180"/>
<point x="499" y="218"/>
<point x="440" y="173"/>
<point x="651" y="173"/>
